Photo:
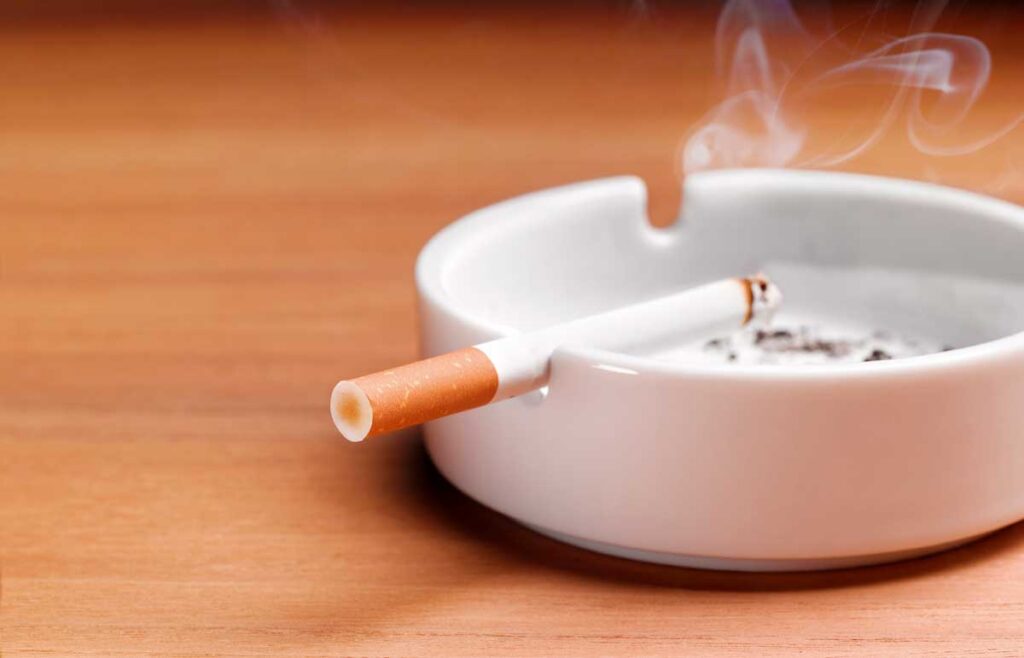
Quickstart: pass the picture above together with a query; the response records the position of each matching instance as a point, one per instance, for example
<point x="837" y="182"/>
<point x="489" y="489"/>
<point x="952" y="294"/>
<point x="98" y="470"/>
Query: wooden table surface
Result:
<point x="211" y="212"/>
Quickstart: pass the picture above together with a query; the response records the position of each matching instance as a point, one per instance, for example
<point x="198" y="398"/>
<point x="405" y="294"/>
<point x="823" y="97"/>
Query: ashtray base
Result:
<point x="750" y="565"/>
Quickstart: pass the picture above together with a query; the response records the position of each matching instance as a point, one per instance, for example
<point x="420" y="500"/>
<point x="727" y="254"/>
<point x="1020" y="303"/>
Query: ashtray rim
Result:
<point x="437" y="253"/>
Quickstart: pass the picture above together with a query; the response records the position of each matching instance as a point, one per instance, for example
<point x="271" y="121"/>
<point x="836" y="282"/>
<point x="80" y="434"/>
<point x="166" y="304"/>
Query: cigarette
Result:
<point x="500" y="369"/>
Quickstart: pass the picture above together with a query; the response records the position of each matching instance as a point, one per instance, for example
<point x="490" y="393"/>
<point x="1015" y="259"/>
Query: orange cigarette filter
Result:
<point x="415" y="393"/>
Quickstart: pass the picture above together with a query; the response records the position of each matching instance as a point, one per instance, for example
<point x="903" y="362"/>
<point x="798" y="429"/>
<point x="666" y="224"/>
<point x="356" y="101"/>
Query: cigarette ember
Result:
<point x="765" y="300"/>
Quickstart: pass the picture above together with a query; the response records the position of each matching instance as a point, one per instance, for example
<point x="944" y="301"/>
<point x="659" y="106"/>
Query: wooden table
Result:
<point x="211" y="213"/>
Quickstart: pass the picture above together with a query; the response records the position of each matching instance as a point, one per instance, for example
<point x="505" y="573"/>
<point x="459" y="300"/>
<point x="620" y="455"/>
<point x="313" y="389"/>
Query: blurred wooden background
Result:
<point x="189" y="192"/>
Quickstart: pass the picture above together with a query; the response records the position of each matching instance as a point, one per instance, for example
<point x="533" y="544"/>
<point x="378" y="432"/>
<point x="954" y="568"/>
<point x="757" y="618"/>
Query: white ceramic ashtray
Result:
<point x="689" y="457"/>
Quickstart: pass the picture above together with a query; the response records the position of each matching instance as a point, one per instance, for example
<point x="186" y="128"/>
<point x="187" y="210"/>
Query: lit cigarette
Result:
<point x="500" y="369"/>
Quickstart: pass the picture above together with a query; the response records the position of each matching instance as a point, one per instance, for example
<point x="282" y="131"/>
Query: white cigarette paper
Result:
<point x="507" y="367"/>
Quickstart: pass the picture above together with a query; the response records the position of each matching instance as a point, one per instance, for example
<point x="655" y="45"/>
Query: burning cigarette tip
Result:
<point x="764" y="298"/>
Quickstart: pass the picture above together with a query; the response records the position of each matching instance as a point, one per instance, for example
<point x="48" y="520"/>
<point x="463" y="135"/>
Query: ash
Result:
<point x="810" y="344"/>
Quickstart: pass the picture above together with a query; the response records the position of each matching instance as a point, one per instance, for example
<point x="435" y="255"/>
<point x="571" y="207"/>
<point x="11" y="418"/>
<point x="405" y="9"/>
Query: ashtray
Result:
<point x="761" y="467"/>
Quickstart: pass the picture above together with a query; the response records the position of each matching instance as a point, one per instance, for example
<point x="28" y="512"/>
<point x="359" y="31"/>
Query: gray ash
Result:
<point x="802" y="340"/>
<point x="808" y="343"/>
<point x="878" y="355"/>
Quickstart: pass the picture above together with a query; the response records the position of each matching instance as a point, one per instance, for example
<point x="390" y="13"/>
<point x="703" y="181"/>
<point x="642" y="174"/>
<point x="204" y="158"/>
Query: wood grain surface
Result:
<point x="210" y="212"/>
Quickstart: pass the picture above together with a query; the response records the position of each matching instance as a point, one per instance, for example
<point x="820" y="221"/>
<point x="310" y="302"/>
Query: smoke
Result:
<point x="796" y="100"/>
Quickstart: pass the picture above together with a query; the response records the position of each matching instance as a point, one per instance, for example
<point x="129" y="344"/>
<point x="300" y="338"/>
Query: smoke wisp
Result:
<point x="796" y="100"/>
